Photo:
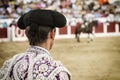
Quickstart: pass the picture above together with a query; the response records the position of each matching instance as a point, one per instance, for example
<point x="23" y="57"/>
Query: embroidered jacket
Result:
<point x="35" y="64"/>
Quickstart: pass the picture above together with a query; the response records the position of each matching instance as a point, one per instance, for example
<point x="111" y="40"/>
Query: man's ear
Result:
<point x="52" y="33"/>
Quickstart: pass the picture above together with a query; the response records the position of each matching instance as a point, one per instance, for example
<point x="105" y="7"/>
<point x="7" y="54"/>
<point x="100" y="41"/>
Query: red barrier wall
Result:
<point x="99" y="28"/>
<point x="119" y="27"/>
<point x="3" y="33"/>
<point x="111" y="27"/>
<point x="72" y="29"/>
<point x="63" y="30"/>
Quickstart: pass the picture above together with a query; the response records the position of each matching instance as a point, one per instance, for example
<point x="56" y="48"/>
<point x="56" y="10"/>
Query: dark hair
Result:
<point x="37" y="34"/>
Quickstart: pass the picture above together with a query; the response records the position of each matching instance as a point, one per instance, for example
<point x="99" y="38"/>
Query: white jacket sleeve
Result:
<point x="4" y="69"/>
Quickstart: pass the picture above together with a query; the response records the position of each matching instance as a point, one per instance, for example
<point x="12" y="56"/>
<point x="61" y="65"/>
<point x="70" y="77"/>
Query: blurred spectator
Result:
<point x="4" y="25"/>
<point x="103" y="14"/>
<point x="27" y="9"/>
<point x="70" y="8"/>
<point x="89" y="16"/>
<point x="97" y="13"/>
<point x="18" y="9"/>
<point x="14" y="15"/>
<point x="117" y="9"/>
<point x="111" y="17"/>
<point x="117" y="17"/>
<point x="13" y="23"/>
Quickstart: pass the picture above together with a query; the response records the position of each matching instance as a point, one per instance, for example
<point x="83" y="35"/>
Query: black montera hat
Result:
<point x="43" y="18"/>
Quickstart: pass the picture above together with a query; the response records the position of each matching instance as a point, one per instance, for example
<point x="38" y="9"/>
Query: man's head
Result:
<point x="40" y="25"/>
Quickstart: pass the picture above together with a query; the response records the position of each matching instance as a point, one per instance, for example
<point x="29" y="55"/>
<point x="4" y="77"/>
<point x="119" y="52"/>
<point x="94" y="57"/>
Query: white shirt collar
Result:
<point x="38" y="50"/>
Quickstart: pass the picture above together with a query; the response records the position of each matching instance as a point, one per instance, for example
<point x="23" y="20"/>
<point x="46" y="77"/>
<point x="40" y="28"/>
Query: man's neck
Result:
<point x="44" y="45"/>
